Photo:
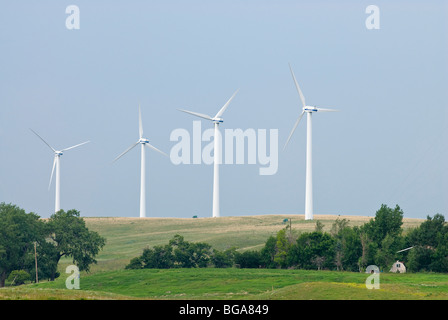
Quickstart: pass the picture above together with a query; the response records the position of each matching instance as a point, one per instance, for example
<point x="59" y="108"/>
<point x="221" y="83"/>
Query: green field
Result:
<point x="126" y="238"/>
<point x="232" y="283"/>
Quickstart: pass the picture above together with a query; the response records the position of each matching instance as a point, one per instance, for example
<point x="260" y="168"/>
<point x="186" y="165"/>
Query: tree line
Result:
<point x="344" y="247"/>
<point x="26" y="239"/>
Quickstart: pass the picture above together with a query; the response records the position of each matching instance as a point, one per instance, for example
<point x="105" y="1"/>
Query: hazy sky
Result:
<point x="387" y="145"/>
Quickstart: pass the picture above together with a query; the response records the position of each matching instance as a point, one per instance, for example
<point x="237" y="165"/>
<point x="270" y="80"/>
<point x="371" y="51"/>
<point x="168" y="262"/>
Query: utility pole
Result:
<point x="290" y="227"/>
<point x="35" y="260"/>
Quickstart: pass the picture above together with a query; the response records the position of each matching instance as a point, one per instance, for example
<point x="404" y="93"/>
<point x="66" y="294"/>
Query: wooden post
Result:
<point x="289" y="228"/>
<point x="35" y="260"/>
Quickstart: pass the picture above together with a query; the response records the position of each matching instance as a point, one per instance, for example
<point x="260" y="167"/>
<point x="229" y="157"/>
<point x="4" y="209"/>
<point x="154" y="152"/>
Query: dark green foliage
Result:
<point x="177" y="254"/>
<point x="65" y="234"/>
<point x="18" y="277"/>
<point x="159" y="257"/>
<point x="249" y="259"/>
<point x="189" y="255"/>
<point x="381" y="238"/>
<point x="349" y="244"/>
<point x="224" y="259"/>
<point x="430" y="245"/>
<point x="313" y="250"/>
<point x="354" y="248"/>
<point x="18" y="232"/>
<point x="387" y="221"/>
<point x="70" y="237"/>
<point x="268" y="253"/>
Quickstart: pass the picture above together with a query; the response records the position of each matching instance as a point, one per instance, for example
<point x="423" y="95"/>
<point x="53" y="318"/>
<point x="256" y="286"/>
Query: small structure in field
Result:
<point x="398" y="267"/>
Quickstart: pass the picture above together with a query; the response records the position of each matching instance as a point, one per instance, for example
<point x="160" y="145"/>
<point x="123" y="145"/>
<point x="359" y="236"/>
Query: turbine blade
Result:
<point x="126" y="151"/>
<point x="201" y="115"/>
<point x="140" y="126"/>
<point x="293" y="129"/>
<point x="52" y="171"/>
<point x="220" y="112"/>
<point x="327" y="110"/>
<point x="298" y="88"/>
<point x="154" y="148"/>
<point x="43" y="140"/>
<point x="75" y="146"/>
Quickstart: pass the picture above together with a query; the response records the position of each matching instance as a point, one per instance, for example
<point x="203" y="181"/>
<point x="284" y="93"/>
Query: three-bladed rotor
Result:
<point x="57" y="155"/>
<point x="217" y="119"/>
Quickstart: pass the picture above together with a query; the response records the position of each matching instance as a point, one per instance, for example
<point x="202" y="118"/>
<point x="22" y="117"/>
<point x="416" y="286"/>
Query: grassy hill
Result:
<point x="126" y="237"/>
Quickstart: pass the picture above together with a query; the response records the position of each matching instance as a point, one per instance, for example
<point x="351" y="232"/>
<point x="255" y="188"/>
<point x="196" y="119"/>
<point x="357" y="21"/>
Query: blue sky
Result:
<point x="387" y="145"/>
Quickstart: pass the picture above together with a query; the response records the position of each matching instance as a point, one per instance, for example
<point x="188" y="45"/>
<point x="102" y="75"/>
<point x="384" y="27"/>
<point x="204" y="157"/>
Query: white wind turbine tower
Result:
<point x="56" y="164"/>
<point x="216" y="151"/>
<point x="309" y="162"/>
<point x="143" y="142"/>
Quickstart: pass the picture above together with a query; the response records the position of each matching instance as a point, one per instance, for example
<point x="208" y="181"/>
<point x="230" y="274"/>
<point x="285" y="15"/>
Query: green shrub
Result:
<point x="18" y="277"/>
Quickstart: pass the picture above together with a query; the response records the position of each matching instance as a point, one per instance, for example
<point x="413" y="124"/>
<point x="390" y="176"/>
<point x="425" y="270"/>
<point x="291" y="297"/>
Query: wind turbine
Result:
<point x="309" y="162"/>
<point x="217" y="150"/>
<point x="56" y="164"/>
<point x="143" y="142"/>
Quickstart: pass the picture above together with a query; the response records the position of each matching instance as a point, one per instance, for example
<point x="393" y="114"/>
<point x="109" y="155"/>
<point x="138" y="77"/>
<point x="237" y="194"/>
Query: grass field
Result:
<point x="126" y="238"/>
<point x="241" y="284"/>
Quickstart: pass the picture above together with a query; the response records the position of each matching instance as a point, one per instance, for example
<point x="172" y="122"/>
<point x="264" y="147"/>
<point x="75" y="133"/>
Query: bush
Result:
<point x="18" y="277"/>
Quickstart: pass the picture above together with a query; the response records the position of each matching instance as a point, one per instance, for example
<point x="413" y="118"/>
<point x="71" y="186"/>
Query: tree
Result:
<point x="337" y="229"/>
<point x="351" y="248"/>
<point x="249" y="259"/>
<point x="387" y="221"/>
<point x="430" y="245"/>
<point x="313" y="250"/>
<point x="428" y="232"/>
<point x="18" y="232"/>
<point x="319" y="226"/>
<point x="268" y="253"/>
<point x="70" y="237"/>
<point x="158" y="257"/>
<point x="419" y="259"/>
<point x="385" y="255"/>
<point x="377" y="249"/>
<point x="178" y="253"/>
<point x="282" y="246"/>
<point x="190" y="255"/>
<point x="439" y="258"/>
<point x="224" y="259"/>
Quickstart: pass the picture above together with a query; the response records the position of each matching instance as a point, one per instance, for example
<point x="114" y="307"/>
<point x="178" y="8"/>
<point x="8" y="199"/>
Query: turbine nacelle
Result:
<point x="310" y="109"/>
<point x="58" y="153"/>
<point x="217" y="118"/>
<point x="143" y="140"/>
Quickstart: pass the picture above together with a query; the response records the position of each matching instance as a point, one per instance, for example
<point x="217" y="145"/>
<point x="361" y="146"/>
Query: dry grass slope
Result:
<point x="126" y="237"/>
